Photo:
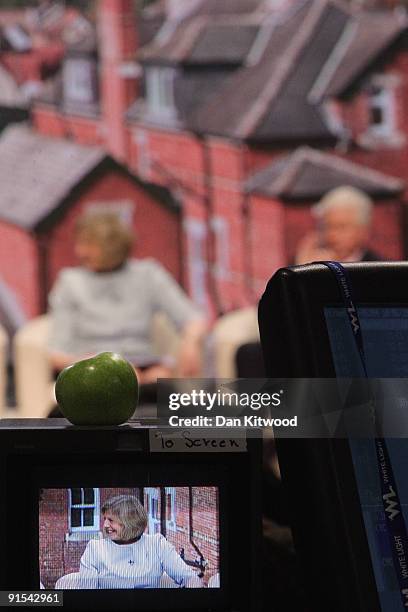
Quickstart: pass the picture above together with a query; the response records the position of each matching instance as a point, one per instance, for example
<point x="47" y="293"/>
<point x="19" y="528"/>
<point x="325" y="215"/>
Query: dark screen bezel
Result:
<point x="291" y="317"/>
<point x="64" y="472"/>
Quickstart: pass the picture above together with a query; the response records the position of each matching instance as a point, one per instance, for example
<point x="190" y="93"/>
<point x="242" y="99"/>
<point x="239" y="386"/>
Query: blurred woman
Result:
<point x="108" y="302"/>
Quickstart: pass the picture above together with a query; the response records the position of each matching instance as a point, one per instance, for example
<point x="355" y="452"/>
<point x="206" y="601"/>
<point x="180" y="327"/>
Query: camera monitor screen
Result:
<point x="129" y="538"/>
<point x="110" y="519"/>
<point x="385" y="333"/>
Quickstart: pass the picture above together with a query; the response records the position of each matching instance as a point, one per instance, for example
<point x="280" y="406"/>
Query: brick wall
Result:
<point x="205" y="526"/>
<point x="171" y="154"/>
<point x="49" y="121"/>
<point x="19" y="266"/>
<point x="53" y="525"/>
<point x="30" y="66"/>
<point x="267" y="244"/>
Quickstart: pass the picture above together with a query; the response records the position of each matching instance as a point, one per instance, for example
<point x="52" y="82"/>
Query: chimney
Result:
<point x="119" y="72"/>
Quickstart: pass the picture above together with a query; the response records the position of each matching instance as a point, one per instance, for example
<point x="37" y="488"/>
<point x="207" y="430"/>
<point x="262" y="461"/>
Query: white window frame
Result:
<point x="220" y="229"/>
<point x="95" y="527"/>
<point x="78" y="80"/>
<point x="196" y="231"/>
<point x="171" y="520"/>
<point x="160" y="91"/>
<point x="153" y="496"/>
<point x="141" y="138"/>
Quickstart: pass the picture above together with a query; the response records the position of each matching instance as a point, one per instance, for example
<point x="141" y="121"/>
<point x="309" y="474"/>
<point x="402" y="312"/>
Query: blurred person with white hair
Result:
<point x="343" y="219"/>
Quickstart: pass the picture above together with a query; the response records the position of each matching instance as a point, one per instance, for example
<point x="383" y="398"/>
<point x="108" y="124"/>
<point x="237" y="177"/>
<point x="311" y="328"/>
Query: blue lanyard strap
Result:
<point x="395" y="522"/>
<point x="346" y="291"/>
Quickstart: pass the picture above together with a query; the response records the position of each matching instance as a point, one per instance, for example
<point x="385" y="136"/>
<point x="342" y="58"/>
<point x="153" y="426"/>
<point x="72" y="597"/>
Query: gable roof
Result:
<point x="209" y="41"/>
<point x="307" y="174"/>
<point x="38" y="175"/>
<point x="151" y="19"/>
<point x="315" y="49"/>
<point x="266" y="100"/>
<point x="225" y="7"/>
<point x="365" y="39"/>
<point x="210" y="45"/>
<point x="212" y="31"/>
<point x="203" y="40"/>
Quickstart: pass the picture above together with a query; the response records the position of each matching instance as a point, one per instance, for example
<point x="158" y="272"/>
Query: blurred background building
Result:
<point x="212" y="125"/>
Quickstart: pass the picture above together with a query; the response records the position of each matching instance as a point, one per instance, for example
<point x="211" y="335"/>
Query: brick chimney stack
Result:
<point x="118" y="41"/>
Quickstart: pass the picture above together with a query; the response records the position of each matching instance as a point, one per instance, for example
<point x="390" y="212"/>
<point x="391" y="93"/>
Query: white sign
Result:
<point x="197" y="441"/>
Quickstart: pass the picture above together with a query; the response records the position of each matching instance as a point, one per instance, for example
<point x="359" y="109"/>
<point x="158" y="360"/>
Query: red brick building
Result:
<point x="46" y="183"/>
<point x="262" y="84"/>
<point x="32" y="43"/>
<point x="69" y="518"/>
<point x="205" y="95"/>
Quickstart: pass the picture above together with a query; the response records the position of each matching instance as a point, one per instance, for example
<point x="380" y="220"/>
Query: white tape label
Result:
<point x="196" y="441"/>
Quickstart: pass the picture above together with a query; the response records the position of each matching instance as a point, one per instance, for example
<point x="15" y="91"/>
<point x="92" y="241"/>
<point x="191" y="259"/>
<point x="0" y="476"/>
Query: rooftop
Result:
<point x="39" y="173"/>
<point x="307" y="174"/>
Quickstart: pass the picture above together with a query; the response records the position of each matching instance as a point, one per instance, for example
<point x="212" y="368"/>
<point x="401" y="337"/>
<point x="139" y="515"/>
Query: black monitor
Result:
<point x="333" y="485"/>
<point x="201" y="502"/>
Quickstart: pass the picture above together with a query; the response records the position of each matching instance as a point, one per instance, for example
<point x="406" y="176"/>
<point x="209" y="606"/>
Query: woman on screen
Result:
<point x="127" y="558"/>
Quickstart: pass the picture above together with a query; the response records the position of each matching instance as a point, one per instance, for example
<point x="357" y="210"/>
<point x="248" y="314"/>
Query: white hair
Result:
<point x="345" y="197"/>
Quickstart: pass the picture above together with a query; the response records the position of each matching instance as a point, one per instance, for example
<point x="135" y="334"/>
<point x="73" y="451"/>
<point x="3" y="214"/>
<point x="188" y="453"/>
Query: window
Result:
<point x="83" y="510"/>
<point x="170" y="508"/>
<point x="141" y="138"/>
<point x="220" y="228"/>
<point x="124" y="209"/>
<point x="152" y="506"/>
<point x="152" y="496"/>
<point x="80" y="81"/>
<point x="197" y="262"/>
<point x="381" y="108"/>
<point x="160" y="91"/>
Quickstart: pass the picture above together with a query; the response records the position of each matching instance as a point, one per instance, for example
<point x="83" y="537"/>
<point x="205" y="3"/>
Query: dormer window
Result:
<point x="381" y="107"/>
<point x="80" y="86"/>
<point x="160" y="91"/>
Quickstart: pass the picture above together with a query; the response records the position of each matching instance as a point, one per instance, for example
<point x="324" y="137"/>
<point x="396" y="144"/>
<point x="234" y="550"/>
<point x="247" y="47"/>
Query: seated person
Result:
<point x="107" y="304"/>
<point x="126" y="557"/>
<point x="343" y="218"/>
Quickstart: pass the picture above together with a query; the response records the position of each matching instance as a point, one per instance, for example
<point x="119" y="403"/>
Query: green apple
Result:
<point x="101" y="390"/>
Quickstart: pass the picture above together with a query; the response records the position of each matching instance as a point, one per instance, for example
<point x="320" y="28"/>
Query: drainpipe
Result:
<point x="208" y="200"/>
<point x="200" y="563"/>
<point x="247" y="251"/>
<point x="43" y="271"/>
<point x="163" y="511"/>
